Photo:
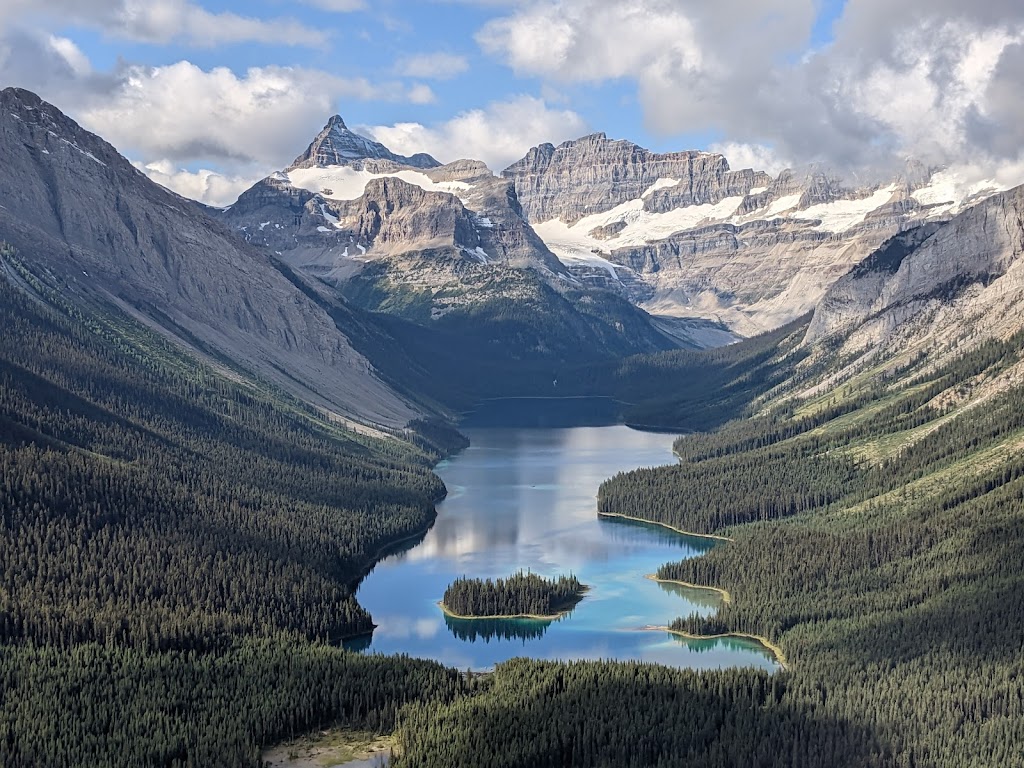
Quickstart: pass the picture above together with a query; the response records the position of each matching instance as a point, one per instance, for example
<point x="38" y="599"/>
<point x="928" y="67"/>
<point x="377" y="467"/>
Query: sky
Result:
<point x="208" y="96"/>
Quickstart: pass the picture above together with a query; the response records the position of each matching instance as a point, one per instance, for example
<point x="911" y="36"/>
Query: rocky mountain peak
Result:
<point x="336" y="145"/>
<point x="75" y="210"/>
<point x="594" y="174"/>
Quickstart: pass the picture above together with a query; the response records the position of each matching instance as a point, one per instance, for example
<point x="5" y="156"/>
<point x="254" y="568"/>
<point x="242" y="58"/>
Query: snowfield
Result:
<point x="347" y="183"/>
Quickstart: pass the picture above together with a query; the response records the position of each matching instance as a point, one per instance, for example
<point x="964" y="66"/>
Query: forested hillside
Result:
<point x="179" y="545"/>
<point x="176" y="543"/>
<point x="883" y="551"/>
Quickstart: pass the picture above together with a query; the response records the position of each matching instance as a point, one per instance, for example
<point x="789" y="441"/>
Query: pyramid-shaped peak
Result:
<point x="336" y="144"/>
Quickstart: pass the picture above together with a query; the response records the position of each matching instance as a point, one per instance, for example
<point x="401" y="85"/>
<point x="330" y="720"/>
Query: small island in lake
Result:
<point x="521" y="596"/>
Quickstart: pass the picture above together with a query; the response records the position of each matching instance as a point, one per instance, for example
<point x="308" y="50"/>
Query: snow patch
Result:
<point x="757" y="190"/>
<point x="264" y="225"/>
<point x="783" y="204"/>
<point x="78" y="149"/>
<point x="340" y="182"/>
<point x="330" y="217"/>
<point x="662" y="183"/>
<point x="641" y="226"/>
<point x="483" y="221"/>
<point x="323" y="229"/>
<point x="842" y="215"/>
<point x="591" y="260"/>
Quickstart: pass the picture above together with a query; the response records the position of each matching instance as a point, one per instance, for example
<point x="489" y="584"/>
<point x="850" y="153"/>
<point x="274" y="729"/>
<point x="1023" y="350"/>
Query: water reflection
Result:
<point x="705" y="599"/>
<point x="486" y="630"/>
<point x="526" y="499"/>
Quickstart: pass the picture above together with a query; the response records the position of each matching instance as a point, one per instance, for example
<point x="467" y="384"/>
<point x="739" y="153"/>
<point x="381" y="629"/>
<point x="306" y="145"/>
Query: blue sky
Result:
<point x="208" y="95"/>
<point x="372" y="42"/>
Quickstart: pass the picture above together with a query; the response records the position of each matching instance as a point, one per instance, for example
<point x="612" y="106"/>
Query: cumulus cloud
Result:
<point x="207" y="186"/>
<point x="181" y="116"/>
<point x="439" y="66"/>
<point x="499" y="134"/>
<point x="938" y="79"/>
<point x="421" y="94"/>
<point x="186" y="114"/>
<point x="755" y="156"/>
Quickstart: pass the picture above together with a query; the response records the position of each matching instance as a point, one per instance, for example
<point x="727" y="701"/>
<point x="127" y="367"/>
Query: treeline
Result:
<point x="897" y="595"/>
<point x="149" y="502"/>
<point x="787" y="464"/>
<point x="629" y="715"/>
<point x="101" y="706"/>
<point x="522" y="594"/>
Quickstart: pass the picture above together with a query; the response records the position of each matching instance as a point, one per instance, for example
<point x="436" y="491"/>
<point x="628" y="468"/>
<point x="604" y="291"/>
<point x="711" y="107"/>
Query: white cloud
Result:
<point x="71" y="54"/>
<point x="187" y="114"/>
<point x="499" y="135"/>
<point x="936" y="79"/>
<point x="166" y="21"/>
<point x="421" y="94"/>
<point x="755" y="156"/>
<point x="439" y="66"/>
<point x="337" y="6"/>
<point x="204" y="185"/>
<point x="593" y="40"/>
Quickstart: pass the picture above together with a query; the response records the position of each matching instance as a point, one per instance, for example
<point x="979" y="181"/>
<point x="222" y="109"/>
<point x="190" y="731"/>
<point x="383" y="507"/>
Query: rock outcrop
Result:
<point x="78" y="212"/>
<point x="337" y="145"/>
<point x="454" y="235"/>
<point x="683" y="235"/>
<point x="957" y="281"/>
<point x="594" y="174"/>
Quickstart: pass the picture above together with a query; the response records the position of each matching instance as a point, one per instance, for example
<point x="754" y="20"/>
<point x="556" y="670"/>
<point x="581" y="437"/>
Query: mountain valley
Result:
<point x="214" y="423"/>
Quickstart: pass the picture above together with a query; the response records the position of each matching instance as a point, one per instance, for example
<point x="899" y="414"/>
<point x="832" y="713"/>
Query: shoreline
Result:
<point x="665" y="525"/>
<point x="774" y="649"/>
<point x="726" y="597"/>
<point x="535" y="616"/>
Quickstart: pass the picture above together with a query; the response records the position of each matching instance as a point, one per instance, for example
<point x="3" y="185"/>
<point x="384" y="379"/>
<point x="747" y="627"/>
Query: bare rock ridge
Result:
<point x="353" y="213"/>
<point x="337" y="145"/>
<point x="936" y="289"/>
<point x="684" y="235"/>
<point x="594" y="174"/>
<point x="78" y="212"/>
<point x="348" y="201"/>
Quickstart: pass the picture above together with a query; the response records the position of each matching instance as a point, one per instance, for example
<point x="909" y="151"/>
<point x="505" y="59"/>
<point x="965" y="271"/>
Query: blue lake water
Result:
<point x="526" y="498"/>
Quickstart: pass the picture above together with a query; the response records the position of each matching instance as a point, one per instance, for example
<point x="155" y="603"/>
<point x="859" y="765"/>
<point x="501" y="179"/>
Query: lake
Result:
<point x="526" y="498"/>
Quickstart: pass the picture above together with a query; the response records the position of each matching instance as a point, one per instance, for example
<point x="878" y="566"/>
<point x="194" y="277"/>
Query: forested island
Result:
<point x="522" y="595"/>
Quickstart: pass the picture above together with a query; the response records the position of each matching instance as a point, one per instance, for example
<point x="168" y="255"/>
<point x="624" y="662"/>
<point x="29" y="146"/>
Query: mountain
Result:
<point x="683" y="235"/>
<point x="933" y="292"/>
<point x="337" y="145"/>
<point x="83" y="220"/>
<point x="447" y="247"/>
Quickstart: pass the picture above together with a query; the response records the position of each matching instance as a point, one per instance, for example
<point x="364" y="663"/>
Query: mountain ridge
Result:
<point x="81" y="213"/>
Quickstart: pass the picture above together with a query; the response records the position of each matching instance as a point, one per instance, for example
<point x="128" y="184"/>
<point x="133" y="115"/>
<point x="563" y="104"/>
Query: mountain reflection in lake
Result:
<point x="525" y="498"/>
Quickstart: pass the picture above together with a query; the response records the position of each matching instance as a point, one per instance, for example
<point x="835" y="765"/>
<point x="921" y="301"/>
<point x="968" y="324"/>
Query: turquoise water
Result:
<point x="526" y="499"/>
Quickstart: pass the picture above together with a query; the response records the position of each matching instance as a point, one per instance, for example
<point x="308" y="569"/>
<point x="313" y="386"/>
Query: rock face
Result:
<point x="80" y="213"/>
<point x="374" y="227"/>
<point x="337" y="145"/>
<point x="683" y="235"/>
<point x="594" y="174"/>
<point x="935" y="287"/>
